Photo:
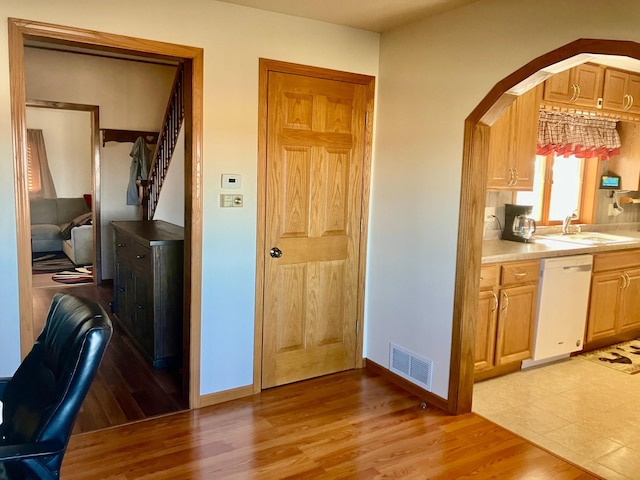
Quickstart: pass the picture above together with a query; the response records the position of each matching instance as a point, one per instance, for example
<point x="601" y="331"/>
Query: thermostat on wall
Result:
<point x="231" y="180"/>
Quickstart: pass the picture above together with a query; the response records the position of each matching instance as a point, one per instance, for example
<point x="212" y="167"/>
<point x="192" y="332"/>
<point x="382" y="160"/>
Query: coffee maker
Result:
<point x="511" y="212"/>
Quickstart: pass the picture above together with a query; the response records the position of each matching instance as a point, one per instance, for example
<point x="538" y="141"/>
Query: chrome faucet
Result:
<point x="567" y="227"/>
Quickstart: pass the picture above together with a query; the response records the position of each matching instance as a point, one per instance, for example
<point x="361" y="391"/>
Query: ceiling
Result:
<point x="374" y="15"/>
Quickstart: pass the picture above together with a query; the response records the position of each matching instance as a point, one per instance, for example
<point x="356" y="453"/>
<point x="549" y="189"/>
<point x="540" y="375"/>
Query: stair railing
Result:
<point x="173" y="118"/>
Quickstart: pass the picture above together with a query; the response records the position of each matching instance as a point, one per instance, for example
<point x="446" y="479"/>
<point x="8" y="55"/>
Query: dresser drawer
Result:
<point x="141" y="258"/>
<point x="520" y="272"/>
<point x="123" y="247"/>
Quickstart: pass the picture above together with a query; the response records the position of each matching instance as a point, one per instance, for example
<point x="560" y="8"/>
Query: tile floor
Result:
<point x="586" y="413"/>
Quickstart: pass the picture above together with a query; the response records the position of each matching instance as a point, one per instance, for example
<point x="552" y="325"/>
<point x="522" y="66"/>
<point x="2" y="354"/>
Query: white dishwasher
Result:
<point x="563" y="298"/>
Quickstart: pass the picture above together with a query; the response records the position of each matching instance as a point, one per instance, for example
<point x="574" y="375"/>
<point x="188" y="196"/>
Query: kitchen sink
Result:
<point x="588" y="238"/>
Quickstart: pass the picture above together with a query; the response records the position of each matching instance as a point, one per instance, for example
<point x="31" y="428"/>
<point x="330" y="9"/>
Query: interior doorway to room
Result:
<point x="473" y="189"/>
<point x="70" y="133"/>
<point x="22" y="32"/>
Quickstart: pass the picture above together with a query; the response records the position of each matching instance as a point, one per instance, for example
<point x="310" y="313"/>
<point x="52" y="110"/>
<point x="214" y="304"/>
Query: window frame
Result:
<point x="588" y="195"/>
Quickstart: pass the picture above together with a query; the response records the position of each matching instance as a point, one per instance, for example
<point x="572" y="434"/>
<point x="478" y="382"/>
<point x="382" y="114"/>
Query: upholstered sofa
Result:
<point x="51" y="221"/>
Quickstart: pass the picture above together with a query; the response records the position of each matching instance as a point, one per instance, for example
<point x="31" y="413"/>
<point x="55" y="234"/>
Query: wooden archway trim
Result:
<point x="472" y="199"/>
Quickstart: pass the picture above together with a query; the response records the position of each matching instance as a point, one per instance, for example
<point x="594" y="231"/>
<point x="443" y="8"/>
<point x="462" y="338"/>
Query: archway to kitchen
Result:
<point x="472" y="200"/>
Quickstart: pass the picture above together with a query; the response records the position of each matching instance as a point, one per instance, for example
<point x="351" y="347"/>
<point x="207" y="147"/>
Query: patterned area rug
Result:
<point x="51" y="262"/>
<point x="624" y="357"/>
<point x="77" y="275"/>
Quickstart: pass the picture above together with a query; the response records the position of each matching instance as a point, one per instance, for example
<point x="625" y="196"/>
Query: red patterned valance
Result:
<point x="583" y="137"/>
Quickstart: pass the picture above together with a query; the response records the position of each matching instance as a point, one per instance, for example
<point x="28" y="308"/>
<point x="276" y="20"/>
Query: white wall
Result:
<point x="233" y="38"/>
<point x="170" y="206"/>
<point x="432" y="75"/>
<point x="131" y="96"/>
<point x="67" y="136"/>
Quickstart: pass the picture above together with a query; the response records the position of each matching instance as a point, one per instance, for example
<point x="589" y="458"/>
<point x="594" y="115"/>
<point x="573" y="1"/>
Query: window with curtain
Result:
<point x="38" y="173"/>
<point x="568" y="150"/>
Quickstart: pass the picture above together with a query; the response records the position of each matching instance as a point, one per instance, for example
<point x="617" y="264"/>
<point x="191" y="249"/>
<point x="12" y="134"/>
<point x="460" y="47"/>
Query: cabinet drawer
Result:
<point x="122" y="245"/>
<point x="489" y="276"/>
<point x="616" y="260"/>
<point x="141" y="259"/>
<point x="520" y="273"/>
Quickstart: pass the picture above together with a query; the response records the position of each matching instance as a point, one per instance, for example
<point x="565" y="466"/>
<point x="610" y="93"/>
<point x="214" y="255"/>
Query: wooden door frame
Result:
<point x="265" y="67"/>
<point x="472" y="201"/>
<point x="94" y="111"/>
<point x="193" y="58"/>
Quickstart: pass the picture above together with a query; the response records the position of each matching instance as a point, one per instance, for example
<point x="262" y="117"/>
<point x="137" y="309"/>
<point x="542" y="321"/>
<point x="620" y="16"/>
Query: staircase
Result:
<point x="173" y="118"/>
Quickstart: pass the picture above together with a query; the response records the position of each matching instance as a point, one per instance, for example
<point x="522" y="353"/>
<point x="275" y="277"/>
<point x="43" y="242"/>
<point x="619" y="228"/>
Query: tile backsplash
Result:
<point x="495" y="201"/>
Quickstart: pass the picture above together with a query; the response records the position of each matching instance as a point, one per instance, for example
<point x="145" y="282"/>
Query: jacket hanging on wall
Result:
<point x="139" y="170"/>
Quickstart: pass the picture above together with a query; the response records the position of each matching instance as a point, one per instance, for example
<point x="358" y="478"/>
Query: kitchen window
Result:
<point x="561" y="186"/>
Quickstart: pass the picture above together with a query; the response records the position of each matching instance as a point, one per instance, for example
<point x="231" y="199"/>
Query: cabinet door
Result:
<point x="629" y="318"/>
<point x="486" y="320"/>
<point x="589" y="79"/>
<point x="500" y="175"/>
<point x="615" y="90"/>
<point x="559" y="87"/>
<point x="516" y="323"/>
<point x="143" y="328"/>
<point x="120" y="291"/>
<point x="581" y="85"/>
<point x="525" y="140"/>
<point x="633" y="90"/>
<point x="606" y="289"/>
<point x="627" y="164"/>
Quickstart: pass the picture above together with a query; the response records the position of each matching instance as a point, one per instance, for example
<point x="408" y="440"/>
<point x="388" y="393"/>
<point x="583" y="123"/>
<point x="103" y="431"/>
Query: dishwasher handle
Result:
<point x="578" y="268"/>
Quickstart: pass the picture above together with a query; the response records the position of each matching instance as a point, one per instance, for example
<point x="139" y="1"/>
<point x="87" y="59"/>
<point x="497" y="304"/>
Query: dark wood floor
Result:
<point x="349" y="425"/>
<point x="127" y="388"/>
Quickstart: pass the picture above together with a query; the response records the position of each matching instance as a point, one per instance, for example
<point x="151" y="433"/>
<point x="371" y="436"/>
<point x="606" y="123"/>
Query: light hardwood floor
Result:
<point x="349" y="425"/>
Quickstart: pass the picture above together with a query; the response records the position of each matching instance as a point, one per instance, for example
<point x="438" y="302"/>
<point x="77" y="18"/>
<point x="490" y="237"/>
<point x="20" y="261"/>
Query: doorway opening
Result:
<point x="22" y="32"/>
<point x="72" y="130"/>
<point x="473" y="190"/>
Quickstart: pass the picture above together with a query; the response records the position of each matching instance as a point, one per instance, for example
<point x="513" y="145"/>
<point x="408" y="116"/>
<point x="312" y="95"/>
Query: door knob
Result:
<point x="275" y="252"/>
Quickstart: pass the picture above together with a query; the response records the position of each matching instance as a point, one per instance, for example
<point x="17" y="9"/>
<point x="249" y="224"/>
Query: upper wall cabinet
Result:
<point x="581" y="85"/>
<point x="627" y="164"/>
<point x="512" y="144"/>
<point x="621" y="91"/>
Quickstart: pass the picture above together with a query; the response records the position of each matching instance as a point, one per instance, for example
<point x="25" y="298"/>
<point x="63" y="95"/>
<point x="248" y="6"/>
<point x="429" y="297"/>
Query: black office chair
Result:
<point x="41" y="401"/>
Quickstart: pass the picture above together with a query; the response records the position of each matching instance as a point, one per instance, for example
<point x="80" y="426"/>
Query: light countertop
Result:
<point x="494" y="251"/>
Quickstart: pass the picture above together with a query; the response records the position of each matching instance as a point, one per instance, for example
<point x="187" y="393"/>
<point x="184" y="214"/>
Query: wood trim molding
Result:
<point x="421" y="393"/>
<point x="19" y="132"/>
<point x="473" y="189"/>
<point x="265" y="66"/>
<point x="227" y="395"/>
<point x="193" y="57"/>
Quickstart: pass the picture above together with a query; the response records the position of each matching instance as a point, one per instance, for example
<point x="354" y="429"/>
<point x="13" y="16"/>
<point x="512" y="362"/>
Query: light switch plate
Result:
<point x="231" y="180"/>
<point x="231" y="200"/>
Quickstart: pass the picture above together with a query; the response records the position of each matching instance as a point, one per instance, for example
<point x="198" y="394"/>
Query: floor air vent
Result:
<point x="410" y="366"/>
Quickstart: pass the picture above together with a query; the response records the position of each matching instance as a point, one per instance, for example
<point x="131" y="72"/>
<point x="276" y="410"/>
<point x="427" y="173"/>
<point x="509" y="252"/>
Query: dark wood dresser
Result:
<point x="148" y="285"/>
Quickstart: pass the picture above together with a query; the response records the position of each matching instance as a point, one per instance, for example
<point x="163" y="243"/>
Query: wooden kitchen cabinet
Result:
<point x="487" y="318"/>
<point x="505" y="319"/>
<point x="627" y="164"/>
<point x="148" y="281"/>
<point x="516" y="323"/>
<point x="621" y="91"/>
<point x="614" y="307"/>
<point x="580" y="86"/>
<point x="513" y="140"/>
